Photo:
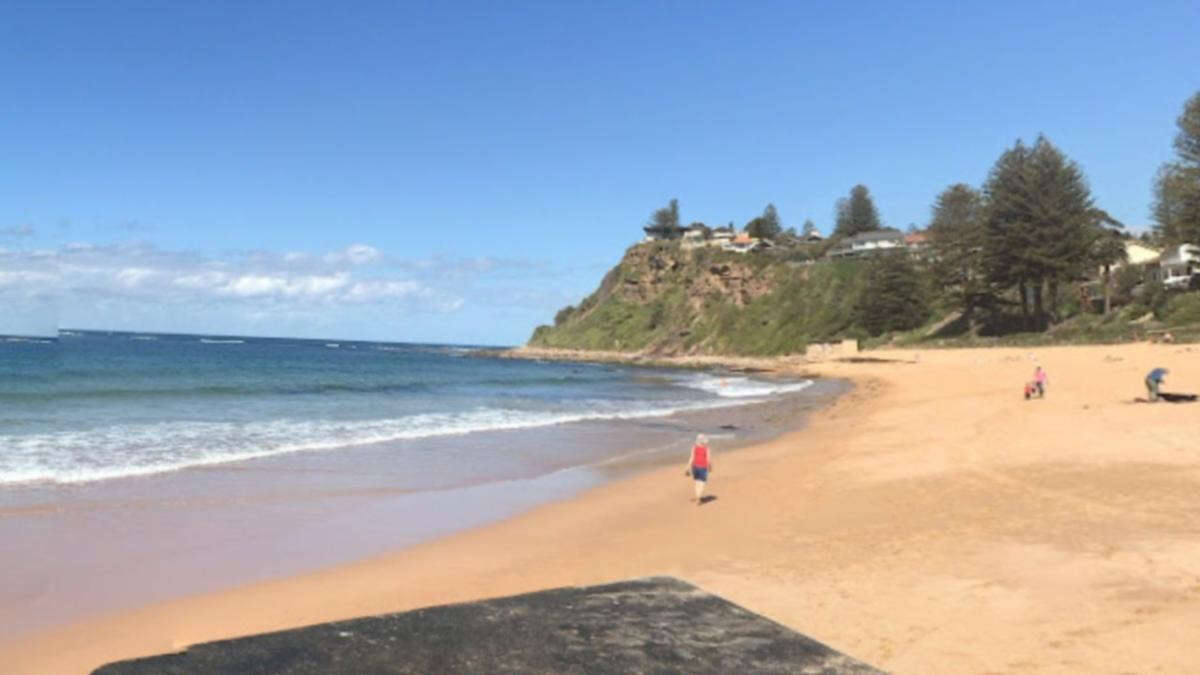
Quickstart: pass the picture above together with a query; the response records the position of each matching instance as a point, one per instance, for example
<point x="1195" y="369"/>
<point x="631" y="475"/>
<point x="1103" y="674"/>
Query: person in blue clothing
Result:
<point x="1153" y="379"/>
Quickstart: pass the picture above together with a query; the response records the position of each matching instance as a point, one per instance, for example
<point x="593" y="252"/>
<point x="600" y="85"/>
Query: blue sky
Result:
<point x="457" y="172"/>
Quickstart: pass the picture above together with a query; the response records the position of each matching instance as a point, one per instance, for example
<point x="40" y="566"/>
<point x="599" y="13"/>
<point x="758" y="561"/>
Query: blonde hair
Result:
<point x="701" y="439"/>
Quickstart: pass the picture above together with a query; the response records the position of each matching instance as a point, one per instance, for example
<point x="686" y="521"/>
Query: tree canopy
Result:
<point x="668" y="216"/>
<point x="893" y="295"/>
<point x="956" y="236"/>
<point x="1040" y="223"/>
<point x="766" y="226"/>
<point x="857" y="213"/>
<point x="1177" y="186"/>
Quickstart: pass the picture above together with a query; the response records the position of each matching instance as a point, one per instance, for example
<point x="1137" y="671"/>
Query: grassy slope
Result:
<point x="662" y="299"/>
<point x="685" y="310"/>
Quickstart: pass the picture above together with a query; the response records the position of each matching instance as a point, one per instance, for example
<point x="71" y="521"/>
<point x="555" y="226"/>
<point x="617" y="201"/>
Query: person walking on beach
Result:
<point x="1039" y="381"/>
<point x="1153" y="380"/>
<point x="699" y="464"/>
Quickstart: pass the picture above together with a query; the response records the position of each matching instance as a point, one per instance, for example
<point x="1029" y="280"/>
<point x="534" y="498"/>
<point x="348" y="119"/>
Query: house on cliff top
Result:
<point x="865" y="243"/>
<point x="1179" y="267"/>
<point x="744" y="243"/>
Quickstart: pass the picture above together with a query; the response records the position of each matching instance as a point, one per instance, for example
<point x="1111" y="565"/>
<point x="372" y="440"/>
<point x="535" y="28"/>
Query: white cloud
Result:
<point x="307" y="286"/>
<point x="134" y="276"/>
<point x="201" y="280"/>
<point x="255" y="284"/>
<point x="356" y="290"/>
<point x="357" y="254"/>
<point x="28" y="279"/>
<point x="251" y="285"/>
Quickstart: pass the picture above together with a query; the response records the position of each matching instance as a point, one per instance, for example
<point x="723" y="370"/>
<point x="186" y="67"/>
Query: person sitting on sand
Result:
<point x="1153" y="380"/>
<point x="699" y="464"/>
<point x="1039" y="381"/>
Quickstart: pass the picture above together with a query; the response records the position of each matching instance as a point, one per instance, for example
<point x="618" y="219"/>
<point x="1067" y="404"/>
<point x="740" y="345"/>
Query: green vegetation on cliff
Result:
<point x="663" y="298"/>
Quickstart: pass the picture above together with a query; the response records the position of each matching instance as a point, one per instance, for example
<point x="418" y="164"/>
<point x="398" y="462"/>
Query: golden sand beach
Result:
<point x="930" y="521"/>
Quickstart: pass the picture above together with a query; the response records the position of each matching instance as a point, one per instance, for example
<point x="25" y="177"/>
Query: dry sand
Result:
<point x="930" y="521"/>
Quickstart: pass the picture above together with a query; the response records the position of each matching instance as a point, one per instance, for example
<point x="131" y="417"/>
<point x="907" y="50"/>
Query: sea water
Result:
<point x="91" y="406"/>
<point x="136" y="468"/>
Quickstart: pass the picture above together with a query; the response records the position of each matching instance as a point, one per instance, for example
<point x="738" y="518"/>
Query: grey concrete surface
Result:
<point x="652" y="625"/>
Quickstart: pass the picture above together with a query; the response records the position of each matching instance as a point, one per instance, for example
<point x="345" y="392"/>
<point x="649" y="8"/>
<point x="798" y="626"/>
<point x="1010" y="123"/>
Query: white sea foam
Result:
<point x="742" y="387"/>
<point x="211" y="341"/>
<point x="142" y="449"/>
<point x="132" y="449"/>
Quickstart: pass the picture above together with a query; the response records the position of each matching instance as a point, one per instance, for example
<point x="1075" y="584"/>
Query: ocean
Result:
<point x="135" y="468"/>
<point x="91" y="406"/>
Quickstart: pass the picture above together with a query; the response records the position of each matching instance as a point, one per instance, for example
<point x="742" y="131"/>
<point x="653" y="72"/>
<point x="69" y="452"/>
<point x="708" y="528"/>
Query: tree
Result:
<point x="1177" y="186"/>
<point x="765" y="226"/>
<point x="1040" y="224"/>
<point x="856" y="213"/>
<point x="893" y="296"/>
<point x="809" y="228"/>
<point x="956" y="237"/>
<point x="1107" y="250"/>
<point x="666" y="217"/>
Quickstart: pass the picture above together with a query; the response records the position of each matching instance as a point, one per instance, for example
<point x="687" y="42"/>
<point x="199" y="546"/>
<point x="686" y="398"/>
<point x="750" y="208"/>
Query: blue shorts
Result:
<point x="699" y="474"/>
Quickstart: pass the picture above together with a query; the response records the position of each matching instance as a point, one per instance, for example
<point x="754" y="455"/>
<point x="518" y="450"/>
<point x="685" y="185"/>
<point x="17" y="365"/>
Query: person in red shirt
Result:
<point x="699" y="465"/>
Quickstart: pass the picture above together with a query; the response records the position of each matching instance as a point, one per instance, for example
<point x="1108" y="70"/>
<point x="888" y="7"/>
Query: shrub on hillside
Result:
<point x="1124" y="281"/>
<point x="563" y="314"/>
<point x="1153" y="298"/>
<point x="1183" y="309"/>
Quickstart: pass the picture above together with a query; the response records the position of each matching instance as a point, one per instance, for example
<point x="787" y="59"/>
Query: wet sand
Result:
<point x="930" y="521"/>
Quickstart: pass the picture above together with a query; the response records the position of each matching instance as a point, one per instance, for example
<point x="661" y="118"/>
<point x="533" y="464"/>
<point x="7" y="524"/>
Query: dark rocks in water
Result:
<point x="658" y="624"/>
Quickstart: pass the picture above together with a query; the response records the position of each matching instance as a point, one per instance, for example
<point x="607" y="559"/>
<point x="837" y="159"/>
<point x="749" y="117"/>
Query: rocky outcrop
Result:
<point x="664" y="299"/>
<point x="647" y="272"/>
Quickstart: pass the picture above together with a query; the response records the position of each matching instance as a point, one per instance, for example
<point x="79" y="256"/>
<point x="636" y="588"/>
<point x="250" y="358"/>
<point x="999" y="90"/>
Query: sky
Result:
<point x="456" y="172"/>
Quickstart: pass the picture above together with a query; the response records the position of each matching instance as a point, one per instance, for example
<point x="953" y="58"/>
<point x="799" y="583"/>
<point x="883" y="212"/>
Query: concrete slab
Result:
<point x="652" y="625"/>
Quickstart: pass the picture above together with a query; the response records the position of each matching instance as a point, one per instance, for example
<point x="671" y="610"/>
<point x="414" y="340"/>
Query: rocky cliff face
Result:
<point x="664" y="299"/>
<point x="651" y="271"/>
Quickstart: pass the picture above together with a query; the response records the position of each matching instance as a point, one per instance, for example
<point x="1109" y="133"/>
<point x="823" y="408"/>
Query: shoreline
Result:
<point x="792" y="365"/>
<point x="206" y="529"/>
<point x="929" y="520"/>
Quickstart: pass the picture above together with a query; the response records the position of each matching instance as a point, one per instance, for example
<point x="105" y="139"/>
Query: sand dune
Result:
<point x="930" y="521"/>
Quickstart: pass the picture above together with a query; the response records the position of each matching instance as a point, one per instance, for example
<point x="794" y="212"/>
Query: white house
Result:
<point x="868" y="242"/>
<point x="1138" y="255"/>
<point x="722" y="235"/>
<point x="695" y="237"/>
<point x="1177" y="265"/>
<point x="744" y="243"/>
